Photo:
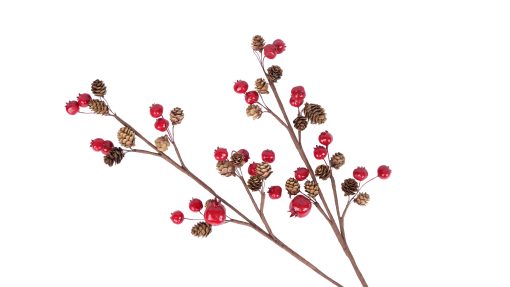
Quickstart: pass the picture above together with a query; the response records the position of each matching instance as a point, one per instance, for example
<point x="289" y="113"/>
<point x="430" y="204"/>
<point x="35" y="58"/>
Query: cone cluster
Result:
<point x="99" y="107"/>
<point x="176" y="116"/>
<point x="350" y="186"/>
<point x="323" y="171"/>
<point x="292" y="186"/>
<point x="312" y="188"/>
<point x="115" y="156"/>
<point x="255" y="183"/>
<point x="314" y="113"/>
<point x="126" y="137"/>
<point x="98" y="88"/>
<point x="237" y="159"/>
<point x="162" y="143"/>
<point x="362" y="198"/>
<point x="254" y="111"/>
<point x="337" y="160"/>
<point x="261" y="86"/>
<point x="264" y="170"/>
<point x="201" y="229"/>
<point x="258" y="43"/>
<point x="274" y="73"/>
<point x="300" y="123"/>
<point x="225" y="168"/>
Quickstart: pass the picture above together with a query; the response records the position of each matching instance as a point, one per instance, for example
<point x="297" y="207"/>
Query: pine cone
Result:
<point x="312" y="188"/>
<point x="176" y="116"/>
<point x="255" y="183"/>
<point x="115" y="155"/>
<point x="99" y="107"/>
<point x="337" y="160"/>
<point x="300" y="123"/>
<point x="126" y="137"/>
<point x="225" y="168"/>
<point x="362" y="198"/>
<point x="261" y="86"/>
<point x="98" y="88"/>
<point x="323" y="171"/>
<point x="292" y="186"/>
<point x="350" y="186"/>
<point x="254" y="111"/>
<point x="162" y="143"/>
<point x="315" y="113"/>
<point x="201" y="229"/>
<point x="274" y="73"/>
<point x="264" y="170"/>
<point x="258" y="43"/>
<point x="237" y="159"/>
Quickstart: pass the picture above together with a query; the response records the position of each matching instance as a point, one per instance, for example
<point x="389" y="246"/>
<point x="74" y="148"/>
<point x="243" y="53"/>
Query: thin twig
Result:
<point x="257" y="209"/>
<point x="335" y="195"/>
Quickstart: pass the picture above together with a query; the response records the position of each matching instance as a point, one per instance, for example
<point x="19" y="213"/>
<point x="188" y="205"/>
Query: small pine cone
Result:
<point x="274" y="73"/>
<point x="98" y="88"/>
<point x="337" y="160"/>
<point x="162" y="143"/>
<point x="362" y="198"/>
<point x="176" y="116"/>
<point x="99" y="107"/>
<point x="254" y="111"/>
<point x="350" y="186"/>
<point x="323" y="171"/>
<point x="255" y="183"/>
<point x="315" y="113"/>
<point x="115" y="155"/>
<point x="312" y="188"/>
<point x="292" y="186"/>
<point x="225" y="168"/>
<point x="237" y="159"/>
<point x="264" y="170"/>
<point x="201" y="229"/>
<point x="258" y="43"/>
<point x="300" y="123"/>
<point x="261" y="86"/>
<point x="126" y="137"/>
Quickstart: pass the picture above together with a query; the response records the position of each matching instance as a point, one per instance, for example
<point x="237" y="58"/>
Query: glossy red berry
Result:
<point x="195" y="205"/>
<point x="72" y="107"/>
<point x="220" y="153"/>
<point x="83" y="100"/>
<point x="325" y="138"/>
<point x="298" y="92"/>
<point x="274" y="192"/>
<point x="215" y="213"/>
<point x="295" y="102"/>
<point x="384" y="172"/>
<point x="270" y="51"/>
<point x="161" y="124"/>
<point x="320" y="152"/>
<point x="97" y="144"/>
<point x="251" y="97"/>
<point x="301" y="173"/>
<point x="360" y="173"/>
<point x="268" y="156"/>
<point x="177" y="217"/>
<point x="300" y="206"/>
<point x="107" y="147"/>
<point x="245" y="153"/>
<point x="240" y="87"/>
<point x="252" y="169"/>
<point x="279" y="45"/>
<point x="156" y="110"/>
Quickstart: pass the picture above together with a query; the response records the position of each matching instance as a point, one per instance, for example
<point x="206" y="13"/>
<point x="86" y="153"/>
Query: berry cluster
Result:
<point x="271" y="50"/>
<point x="213" y="215"/>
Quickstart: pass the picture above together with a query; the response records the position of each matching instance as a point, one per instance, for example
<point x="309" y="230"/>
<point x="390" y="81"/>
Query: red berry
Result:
<point x="274" y="192"/>
<point x="325" y="138"/>
<point x="252" y="169"/>
<point x="300" y="206"/>
<point x="279" y="45"/>
<point x="220" y="153"/>
<point x="161" y="124"/>
<point x="360" y="173"/>
<point x="270" y="51"/>
<point x="156" y="110"/>
<point x="215" y="213"/>
<point x="298" y="92"/>
<point x="251" y="97"/>
<point x="320" y="152"/>
<point x="245" y="153"/>
<point x="268" y="156"/>
<point x="240" y="87"/>
<point x="72" y="107"/>
<point x="177" y="217"/>
<point x="301" y="173"/>
<point x="83" y="100"/>
<point x="195" y="205"/>
<point x="384" y="172"/>
<point x="295" y="102"/>
<point x="97" y="144"/>
<point x="107" y="147"/>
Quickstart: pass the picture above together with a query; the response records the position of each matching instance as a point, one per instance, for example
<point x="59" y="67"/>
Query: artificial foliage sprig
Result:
<point x="303" y="188"/>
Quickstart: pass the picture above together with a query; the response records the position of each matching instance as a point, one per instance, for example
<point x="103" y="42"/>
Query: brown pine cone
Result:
<point x="337" y="160"/>
<point x="315" y="113"/>
<point x="255" y="183"/>
<point x="99" y="107"/>
<point x="274" y="73"/>
<point x="300" y="123"/>
<point x="201" y="229"/>
<point x="362" y="198"/>
<point x="350" y="186"/>
<point x="98" y="88"/>
<point x="115" y="155"/>
<point x="254" y="111"/>
<point x="237" y="159"/>
<point x="292" y="186"/>
<point x="312" y="188"/>
<point x="176" y="116"/>
<point x="264" y="170"/>
<point x="258" y="43"/>
<point x="323" y="171"/>
<point x="162" y="143"/>
<point x="225" y="168"/>
<point x="126" y="137"/>
<point x="261" y="86"/>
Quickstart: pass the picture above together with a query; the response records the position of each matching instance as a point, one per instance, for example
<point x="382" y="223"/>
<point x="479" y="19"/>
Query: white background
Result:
<point x="418" y="85"/>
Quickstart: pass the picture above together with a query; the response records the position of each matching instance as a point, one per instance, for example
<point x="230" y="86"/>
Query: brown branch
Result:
<point x="259" y="210"/>
<point x="335" y="195"/>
